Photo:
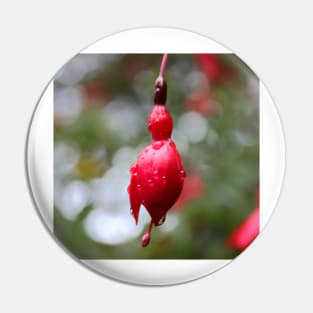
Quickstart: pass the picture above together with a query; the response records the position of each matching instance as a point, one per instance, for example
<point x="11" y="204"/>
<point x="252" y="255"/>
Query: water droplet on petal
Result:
<point x="161" y="221"/>
<point x="157" y="145"/>
<point x="156" y="175"/>
<point x="182" y="174"/>
<point x="164" y="180"/>
<point x="150" y="182"/>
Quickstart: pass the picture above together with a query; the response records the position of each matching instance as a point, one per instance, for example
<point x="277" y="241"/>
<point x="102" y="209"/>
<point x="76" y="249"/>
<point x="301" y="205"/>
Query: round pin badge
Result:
<point x="155" y="156"/>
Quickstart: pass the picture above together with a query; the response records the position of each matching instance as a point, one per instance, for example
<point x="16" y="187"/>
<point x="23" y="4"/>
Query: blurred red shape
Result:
<point x="199" y="102"/>
<point x="95" y="93"/>
<point x="210" y="65"/>
<point x="246" y="231"/>
<point x="193" y="188"/>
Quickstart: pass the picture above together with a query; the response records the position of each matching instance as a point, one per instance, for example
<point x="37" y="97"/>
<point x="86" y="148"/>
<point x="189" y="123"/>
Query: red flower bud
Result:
<point x="157" y="177"/>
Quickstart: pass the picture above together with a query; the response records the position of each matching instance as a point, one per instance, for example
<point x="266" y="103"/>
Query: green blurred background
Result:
<point x="101" y="106"/>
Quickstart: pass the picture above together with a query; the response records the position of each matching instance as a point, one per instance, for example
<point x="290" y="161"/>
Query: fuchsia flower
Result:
<point x="247" y="231"/>
<point x="157" y="177"/>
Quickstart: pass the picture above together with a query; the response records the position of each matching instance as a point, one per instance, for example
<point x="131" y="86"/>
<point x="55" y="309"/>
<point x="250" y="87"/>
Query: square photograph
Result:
<point x="156" y="156"/>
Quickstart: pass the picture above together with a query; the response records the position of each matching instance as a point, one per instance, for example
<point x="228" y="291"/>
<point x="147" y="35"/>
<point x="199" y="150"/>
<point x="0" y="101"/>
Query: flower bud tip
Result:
<point x="160" y="90"/>
<point x="145" y="239"/>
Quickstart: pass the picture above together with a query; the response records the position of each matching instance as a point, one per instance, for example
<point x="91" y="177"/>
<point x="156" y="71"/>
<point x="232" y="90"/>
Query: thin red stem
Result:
<point x="146" y="237"/>
<point x="150" y="227"/>
<point x="163" y="64"/>
<point x="160" y="84"/>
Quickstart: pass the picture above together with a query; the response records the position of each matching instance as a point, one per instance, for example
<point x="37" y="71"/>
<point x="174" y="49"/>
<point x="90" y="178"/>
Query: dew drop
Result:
<point x="182" y="174"/>
<point x="150" y="182"/>
<point x="139" y="187"/>
<point x="161" y="221"/>
<point x="164" y="180"/>
<point x="156" y="175"/>
<point x="157" y="145"/>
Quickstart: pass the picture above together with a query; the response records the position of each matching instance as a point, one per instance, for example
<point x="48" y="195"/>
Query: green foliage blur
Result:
<point x="101" y="106"/>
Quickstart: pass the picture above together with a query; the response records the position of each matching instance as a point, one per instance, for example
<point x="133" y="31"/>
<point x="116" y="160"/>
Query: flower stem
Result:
<point x="146" y="237"/>
<point x="163" y="64"/>
<point x="160" y="88"/>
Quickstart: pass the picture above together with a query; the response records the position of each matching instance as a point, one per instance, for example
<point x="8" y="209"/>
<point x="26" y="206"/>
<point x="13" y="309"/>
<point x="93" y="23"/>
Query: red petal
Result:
<point x="134" y="195"/>
<point x="161" y="176"/>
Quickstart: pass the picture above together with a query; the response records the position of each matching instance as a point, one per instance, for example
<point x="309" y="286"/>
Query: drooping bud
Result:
<point x="160" y="91"/>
